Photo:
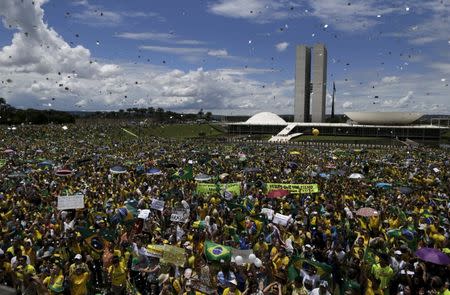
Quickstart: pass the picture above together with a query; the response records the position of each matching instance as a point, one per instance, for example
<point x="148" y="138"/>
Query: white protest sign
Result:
<point x="144" y="213"/>
<point x="70" y="202"/>
<point x="281" y="219"/>
<point x="269" y="212"/>
<point x="157" y="205"/>
<point x="179" y="216"/>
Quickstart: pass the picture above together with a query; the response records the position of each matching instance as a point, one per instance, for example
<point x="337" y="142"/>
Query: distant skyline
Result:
<point x="230" y="57"/>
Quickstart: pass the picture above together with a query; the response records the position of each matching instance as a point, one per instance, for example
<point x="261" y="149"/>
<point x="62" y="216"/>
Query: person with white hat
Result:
<point x="397" y="263"/>
<point x="232" y="289"/>
<point x="322" y="290"/>
<point x="78" y="263"/>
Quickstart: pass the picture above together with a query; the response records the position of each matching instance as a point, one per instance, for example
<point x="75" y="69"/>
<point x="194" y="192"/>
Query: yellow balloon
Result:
<point x="315" y="132"/>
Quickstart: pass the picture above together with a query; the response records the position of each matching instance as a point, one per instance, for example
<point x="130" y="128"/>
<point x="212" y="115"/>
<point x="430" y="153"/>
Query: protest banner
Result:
<point x="268" y="212"/>
<point x="70" y="202"/>
<point x="213" y="188"/>
<point x="157" y="205"/>
<point x="174" y="255"/>
<point x="294" y="188"/>
<point x="179" y="216"/>
<point x="281" y="219"/>
<point x="243" y="253"/>
<point x="143" y="214"/>
<point x="155" y="251"/>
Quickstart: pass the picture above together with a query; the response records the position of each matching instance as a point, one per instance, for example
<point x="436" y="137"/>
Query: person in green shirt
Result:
<point x="383" y="273"/>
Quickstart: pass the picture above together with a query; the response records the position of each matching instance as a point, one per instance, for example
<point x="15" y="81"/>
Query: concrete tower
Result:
<point x="319" y="88"/>
<point x="302" y="84"/>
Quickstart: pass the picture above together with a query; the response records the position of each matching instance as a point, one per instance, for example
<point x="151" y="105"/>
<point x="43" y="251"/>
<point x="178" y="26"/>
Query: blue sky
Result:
<point x="225" y="56"/>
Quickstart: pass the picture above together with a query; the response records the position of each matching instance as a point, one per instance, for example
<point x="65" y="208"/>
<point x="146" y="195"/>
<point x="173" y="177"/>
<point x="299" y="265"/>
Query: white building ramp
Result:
<point x="283" y="135"/>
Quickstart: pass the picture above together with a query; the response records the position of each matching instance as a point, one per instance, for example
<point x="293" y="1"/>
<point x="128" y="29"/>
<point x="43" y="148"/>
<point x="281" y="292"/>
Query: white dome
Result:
<point x="266" y="118"/>
<point x="384" y="118"/>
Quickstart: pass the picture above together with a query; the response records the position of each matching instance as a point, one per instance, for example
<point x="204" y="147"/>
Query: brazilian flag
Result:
<point x="199" y="224"/>
<point x="185" y="174"/>
<point x="293" y="270"/>
<point x="217" y="252"/>
<point x="92" y="239"/>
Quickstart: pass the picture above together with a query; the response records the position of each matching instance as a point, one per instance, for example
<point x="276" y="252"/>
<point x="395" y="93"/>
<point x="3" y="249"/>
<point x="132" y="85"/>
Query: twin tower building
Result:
<point x="307" y="91"/>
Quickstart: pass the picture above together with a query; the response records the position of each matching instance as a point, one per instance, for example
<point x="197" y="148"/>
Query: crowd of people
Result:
<point x="378" y="224"/>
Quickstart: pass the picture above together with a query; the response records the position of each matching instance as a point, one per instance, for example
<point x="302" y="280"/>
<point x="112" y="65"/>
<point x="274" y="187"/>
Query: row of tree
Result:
<point x="151" y="114"/>
<point x="13" y="116"/>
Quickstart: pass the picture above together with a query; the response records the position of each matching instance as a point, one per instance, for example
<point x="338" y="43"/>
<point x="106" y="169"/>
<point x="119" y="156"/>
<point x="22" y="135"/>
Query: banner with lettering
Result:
<point x="294" y="188"/>
<point x="213" y="188"/>
<point x="70" y="202"/>
<point x="174" y="255"/>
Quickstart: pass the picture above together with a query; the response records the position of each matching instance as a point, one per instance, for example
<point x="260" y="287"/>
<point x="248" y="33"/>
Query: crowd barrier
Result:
<point x="321" y="144"/>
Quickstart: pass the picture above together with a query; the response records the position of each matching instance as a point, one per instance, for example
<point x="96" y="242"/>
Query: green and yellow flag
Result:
<point x="217" y="252"/>
<point x="185" y="174"/>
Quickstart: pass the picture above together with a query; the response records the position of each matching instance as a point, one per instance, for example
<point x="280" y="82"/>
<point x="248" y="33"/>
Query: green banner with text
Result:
<point x="294" y="188"/>
<point x="212" y="188"/>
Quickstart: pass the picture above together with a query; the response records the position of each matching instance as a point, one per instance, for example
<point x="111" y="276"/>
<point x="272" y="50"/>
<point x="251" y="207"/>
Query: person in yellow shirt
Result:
<point x="232" y="289"/>
<point x="260" y="247"/>
<point x="118" y="276"/>
<point x="78" y="281"/>
<point x="280" y="261"/>
<point x="78" y="263"/>
<point x="383" y="273"/>
<point x="30" y="252"/>
<point x="55" y="282"/>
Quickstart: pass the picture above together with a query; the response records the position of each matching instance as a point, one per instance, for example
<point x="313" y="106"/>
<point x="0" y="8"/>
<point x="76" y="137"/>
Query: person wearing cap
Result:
<point x="232" y="289"/>
<point x="321" y="290"/>
<point x="78" y="263"/>
<point x="397" y="263"/>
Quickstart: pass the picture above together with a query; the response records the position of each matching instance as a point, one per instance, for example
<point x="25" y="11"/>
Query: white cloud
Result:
<point x="358" y="16"/>
<point x="412" y="92"/>
<point x="95" y="15"/>
<point x="432" y="25"/>
<point x="401" y="102"/>
<point x="282" y="46"/>
<point x="97" y="18"/>
<point x="389" y="79"/>
<point x="63" y="77"/>
<point x="145" y="36"/>
<point x="347" y="105"/>
<point x="160" y="37"/>
<point x="175" y="50"/>
<point x="38" y="48"/>
<point x="259" y="11"/>
<point x="442" y="67"/>
<point x="191" y="54"/>
<point x="218" y="53"/>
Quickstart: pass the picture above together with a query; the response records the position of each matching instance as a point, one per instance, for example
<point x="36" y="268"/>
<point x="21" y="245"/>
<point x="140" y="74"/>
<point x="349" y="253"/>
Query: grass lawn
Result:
<point x="340" y="138"/>
<point x="176" y="131"/>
